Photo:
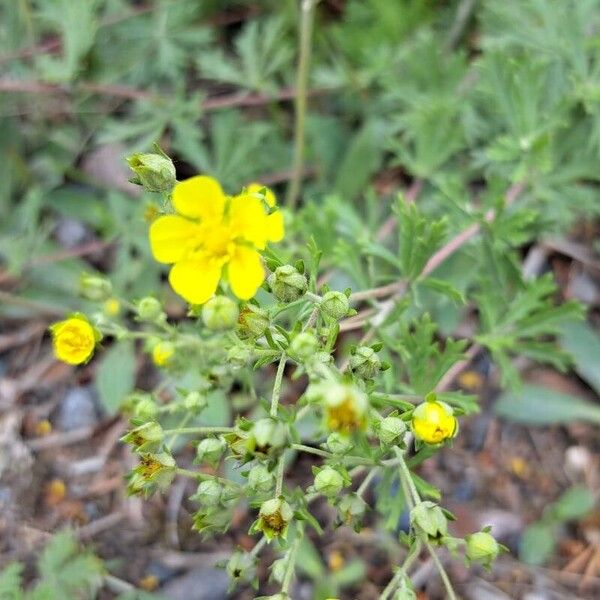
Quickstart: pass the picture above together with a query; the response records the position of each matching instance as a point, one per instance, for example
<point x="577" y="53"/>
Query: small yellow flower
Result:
<point x="433" y="422"/>
<point x="214" y="236"/>
<point x="162" y="353"/>
<point x="74" y="339"/>
<point x="345" y="407"/>
<point x="112" y="307"/>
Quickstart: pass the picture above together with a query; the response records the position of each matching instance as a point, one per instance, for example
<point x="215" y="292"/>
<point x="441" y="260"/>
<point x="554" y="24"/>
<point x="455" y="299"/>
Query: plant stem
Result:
<point x="366" y="481"/>
<point x="200" y="430"/>
<point x="204" y="476"/>
<point x="405" y="473"/>
<point x="277" y="386"/>
<point x="289" y="569"/>
<point x="402" y="571"/>
<point x="306" y="26"/>
<point x="440" y="567"/>
<point x="279" y="476"/>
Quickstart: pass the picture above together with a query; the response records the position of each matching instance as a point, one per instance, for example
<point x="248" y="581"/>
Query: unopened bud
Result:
<point x="238" y="356"/>
<point x="482" y="548"/>
<point x="150" y="310"/>
<point x="329" y="482"/>
<point x="303" y="346"/>
<point x="94" y="287"/>
<point x="287" y="283"/>
<point x="195" y="402"/>
<point x="252" y="322"/>
<point x="155" y="172"/>
<point x="365" y="363"/>
<point x="391" y="430"/>
<point x="260" y="479"/>
<point x="209" y="450"/>
<point x="429" y="518"/>
<point x="338" y="443"/>
<point x="209" y="493"/>
<point x="335" y="305"/>
<point x="220" y="313"/>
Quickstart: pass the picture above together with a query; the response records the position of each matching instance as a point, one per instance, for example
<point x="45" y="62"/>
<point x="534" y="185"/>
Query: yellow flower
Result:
<point x="112" y="307"/>
<point x="74" y="339"/>
<point x="162" y="353"/>
<point x="433" y="422"/>
<point x="213" y="235"/>
<point x="345" y="407"/>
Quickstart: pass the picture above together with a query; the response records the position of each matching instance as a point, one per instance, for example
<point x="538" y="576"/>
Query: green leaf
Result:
<point x="309" y="562"/>
<point x="583" y="343"/>
<point x="537" y="544"/>
<point x="116" y="375"/>
<point x="574" y="504"/>
<point x="536" y="405"/>
<point x="10" y="582"/>
<point x="445" y="288"/>
<point x="349" y="574"/>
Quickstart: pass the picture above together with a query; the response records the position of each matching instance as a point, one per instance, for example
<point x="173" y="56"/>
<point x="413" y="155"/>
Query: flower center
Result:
<point x="214" y="242"/>
<point x="343" y="417"/>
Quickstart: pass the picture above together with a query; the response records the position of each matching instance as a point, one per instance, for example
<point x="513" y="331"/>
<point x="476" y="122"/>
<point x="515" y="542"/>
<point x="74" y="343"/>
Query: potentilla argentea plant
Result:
<point x="256" y="322"/>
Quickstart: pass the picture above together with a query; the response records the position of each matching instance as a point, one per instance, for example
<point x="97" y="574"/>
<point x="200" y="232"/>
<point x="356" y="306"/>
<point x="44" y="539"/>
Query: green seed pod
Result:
<point x="209" y="493"/>
<point x="482" y="548"/>
<point x="149" y="309"/>
<point x="338" y="443"/>
<point x="287" y="283"/>
<point x="391" y="430"/>
<point x="156" y="173"/>
<point x="268" y="434"/>
<point x="195" y="402"/>
<point x="304" y="346"/>
<point x="329" y="482"/>
<point x="209" y="450"/>
<point x="252" y="322"/>
<point x="220" y="313"/>
<point x="429" y="518"/>
<point x="95" y="288"/>
<point x="241" y="566"/>
<point x="335" y="305"/>
<point x="260" y="479"/>
<point x="365" y="363"/>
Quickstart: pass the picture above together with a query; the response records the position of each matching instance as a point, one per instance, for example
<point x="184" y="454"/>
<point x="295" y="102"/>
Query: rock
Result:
<point x="71" y="233"/>
<point x="77" y="410"/>
<point x="200" y="584"/>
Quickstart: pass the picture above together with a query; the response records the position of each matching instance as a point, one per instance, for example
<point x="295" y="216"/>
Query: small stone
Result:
<point x="200" y="584"/>
<point x="77" y="410"/>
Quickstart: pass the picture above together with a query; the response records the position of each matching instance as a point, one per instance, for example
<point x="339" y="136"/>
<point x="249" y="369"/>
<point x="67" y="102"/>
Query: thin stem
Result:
<point x="311" y="450"/>
<point x="442" y="572"/>
<point x="306" y="26"/>
<point x="289" y="569"/>
<point x="258" y="546"/>
<point x="277" y="386"/>
<point x="402" y="571"/>
<point x="405" y="472"/>
<point x="205" y="476"/>
<point x="199" y="430"/>
<point x="184" y="422"/>
<point x="366" y="481"/>
<point x="279" y="476"/>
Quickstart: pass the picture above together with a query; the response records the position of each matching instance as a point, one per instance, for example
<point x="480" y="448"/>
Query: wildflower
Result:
<point x="162" y="353"/>
<point x="212" y="235"/>
<point x="273" y="518"/>
<point x="112" y="307"/>
<point x="345" y="405"/>
<point x="433" y="422"/>
<point x="74" y="339"/>
<point x="154" y="471"/>
<point x="147" y="437"/>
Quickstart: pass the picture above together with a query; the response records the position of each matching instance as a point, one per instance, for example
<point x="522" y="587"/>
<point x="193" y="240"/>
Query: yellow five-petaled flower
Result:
<point x="433" y="422"/>
<point x="74" y="339"/>
<point x="213" y="235"/>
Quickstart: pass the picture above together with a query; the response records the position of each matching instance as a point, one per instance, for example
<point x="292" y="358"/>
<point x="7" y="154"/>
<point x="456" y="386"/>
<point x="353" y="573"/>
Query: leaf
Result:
<point x="537" y="544"/>
<point x="574" y="504"/>
<point x="10" y="582"/>
<point x="309" y="561"/>
<point x="116" y="375"/>
<point x="583" y="343"/>
<point x="444" y="287"/>
<point x="349" y="574"/>
<point x="536" y="405"/>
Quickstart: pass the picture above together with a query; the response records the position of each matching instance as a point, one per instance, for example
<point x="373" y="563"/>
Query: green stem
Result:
<point x="440" y="567"/>
<point x="277" y="386"/>
<point x="402" y="571"/>
<point x="405" y="472"/>
<point x="199" y="430"/>
<point x="198" y="475"/>
<point x="279" y="476"/>
<point x="289" y="569"/>
<point x="366" y="481"/>
<point x="306" y="27"/>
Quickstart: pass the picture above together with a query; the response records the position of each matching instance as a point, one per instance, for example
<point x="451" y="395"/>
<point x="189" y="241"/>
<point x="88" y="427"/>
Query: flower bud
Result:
<point x="195" y="402"/>
<point x="329" y="482"/>
<point x="94" y="287"/>
<point x="287" y="283"/>
<point x="209" y="450"/>
<point x="252" y="322"/>
<point x="149" y="309"/>
<point x="145" y="438"/>
<point x="267" y="434"/>
<point x="220" y="313"/>
<point x="482" y="548"/>
<point x="304" y="346"/>
<point x="241" y="566"/>
<point x="155" y="172"/>
<point x="209" y="493"/>
<point x="391" y="430"/>
<point x="111" y="307"/>
<point x="365" y="363"/>
<point x="335" y="305"/>
<point x="338" y="443"/>
<point x="351" y="510"/>
<point x="162" y="353"/>
<point x="238" y="356"/>
<point x="433" y="422"/>
<point x="154" y="471"/>
<point x="260" y="479"/>
<point x="274" y="518"/>
<point x="430" y="519"/>
<point x="141" y="406"/>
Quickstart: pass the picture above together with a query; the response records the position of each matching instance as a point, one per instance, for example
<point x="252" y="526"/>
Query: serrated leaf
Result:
<point x="445" y="288"/>
<point x="115" y="377"/>
<point x="536" y="405"/>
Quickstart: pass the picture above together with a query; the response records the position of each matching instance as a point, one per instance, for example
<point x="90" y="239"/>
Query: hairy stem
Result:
<point x="277" y="386"/>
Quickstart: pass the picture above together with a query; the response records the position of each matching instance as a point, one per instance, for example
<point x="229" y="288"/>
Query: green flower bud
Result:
<point x="154" y="471"/>
<point x="267" y="434"/>
<point x="149" y="309"/>
<point x="391" y="430"/>
<point x="252" y="322"/>
<point x="141" y="406"/>
<point x="155" y="172"/>
<point x="220" y="313"/>
<point x="260" y="479"/>
<point x="145" y="438"/>
<point x="430" y="519"/>
<point x="482" y="548"/>
<point x="365" y="363"/>
<point x="329" y="482"/>
<point x="209" y="450"/>
<point x="303" y="346"/>
<point x="238" y="356"/>
<point x="335" y="305"/>
<point x="94" y="287"/>
<point x="241" y="567"/>
<point x="209" y="493"/>
<point x="352" y="509"/>
<point x="338" y="443"/>
<point x="195" y="402"/>
<point x="274" y="518"/>
<point x="405" y="591"/>
<point x="287" y="283"/>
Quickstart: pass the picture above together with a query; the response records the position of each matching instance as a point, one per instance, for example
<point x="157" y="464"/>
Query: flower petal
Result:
<point x="274" y="226"/>
<point x="246" y="272"/>
<point x="248" y="219"/>
<point x="199" y="197"/>
<point x="255" y="188"/>
<point x="169" y="238"/>
<point x="195" y="280"/>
